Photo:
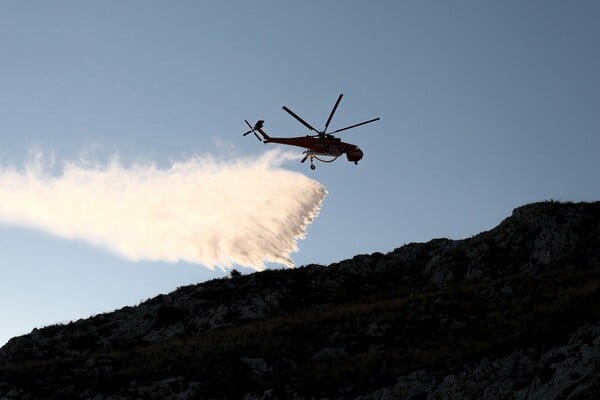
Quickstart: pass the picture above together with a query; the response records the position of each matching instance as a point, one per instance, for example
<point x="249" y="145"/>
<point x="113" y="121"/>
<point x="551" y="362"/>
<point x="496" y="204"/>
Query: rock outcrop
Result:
<point x="509" y="313"/>
<point x="568" y="371"/>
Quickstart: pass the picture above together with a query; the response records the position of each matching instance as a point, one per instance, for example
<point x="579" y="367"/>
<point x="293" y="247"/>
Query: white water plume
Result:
<point x="206" y="211"/>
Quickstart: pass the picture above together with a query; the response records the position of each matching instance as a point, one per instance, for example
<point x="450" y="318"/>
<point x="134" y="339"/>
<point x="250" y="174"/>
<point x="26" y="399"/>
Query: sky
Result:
<point x="484" y="106"/>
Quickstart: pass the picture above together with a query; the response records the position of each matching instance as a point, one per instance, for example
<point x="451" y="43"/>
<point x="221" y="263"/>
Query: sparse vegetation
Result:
<point x="169" y="314"/>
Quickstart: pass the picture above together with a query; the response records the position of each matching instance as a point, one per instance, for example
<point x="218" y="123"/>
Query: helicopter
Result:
<point x="318" y="145"/>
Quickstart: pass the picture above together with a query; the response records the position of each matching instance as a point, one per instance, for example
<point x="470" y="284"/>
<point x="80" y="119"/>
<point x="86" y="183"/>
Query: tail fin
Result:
<point x="258" y="126"/>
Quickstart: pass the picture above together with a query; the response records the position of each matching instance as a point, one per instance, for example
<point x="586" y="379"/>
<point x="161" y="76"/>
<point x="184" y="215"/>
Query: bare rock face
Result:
<point x="510" y="313"/>
<point x="566" y="371"/>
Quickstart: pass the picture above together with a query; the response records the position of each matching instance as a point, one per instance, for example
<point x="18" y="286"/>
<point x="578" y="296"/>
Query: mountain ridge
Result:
<point x="417" y="322"/>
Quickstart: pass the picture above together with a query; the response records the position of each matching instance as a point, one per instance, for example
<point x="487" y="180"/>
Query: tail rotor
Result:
<point x="252" y="130"/>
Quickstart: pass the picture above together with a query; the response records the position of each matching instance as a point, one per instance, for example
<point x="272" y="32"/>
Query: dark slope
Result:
<point x="504" y="308"/>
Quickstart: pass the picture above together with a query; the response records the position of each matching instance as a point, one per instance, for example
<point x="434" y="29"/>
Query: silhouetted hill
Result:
<point x="509" y="313"/>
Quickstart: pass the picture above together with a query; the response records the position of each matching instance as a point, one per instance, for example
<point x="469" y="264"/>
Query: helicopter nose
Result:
<point x="354" y="155"/>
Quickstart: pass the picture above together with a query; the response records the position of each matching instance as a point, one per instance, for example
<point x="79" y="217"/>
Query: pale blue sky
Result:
<point x="484" y="106"/>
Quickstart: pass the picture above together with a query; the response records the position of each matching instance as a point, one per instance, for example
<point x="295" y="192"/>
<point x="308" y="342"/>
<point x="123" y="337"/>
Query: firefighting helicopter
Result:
<point x="319" y="145"/>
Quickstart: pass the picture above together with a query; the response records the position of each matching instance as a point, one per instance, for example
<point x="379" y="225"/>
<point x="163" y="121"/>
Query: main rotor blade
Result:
<point x="332" y="112"/>
<point x="306" y="124"/>
<point x="355" y="125"/>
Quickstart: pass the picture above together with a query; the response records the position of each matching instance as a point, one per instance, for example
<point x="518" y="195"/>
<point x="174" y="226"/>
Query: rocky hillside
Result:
<point x="509" y="313"/>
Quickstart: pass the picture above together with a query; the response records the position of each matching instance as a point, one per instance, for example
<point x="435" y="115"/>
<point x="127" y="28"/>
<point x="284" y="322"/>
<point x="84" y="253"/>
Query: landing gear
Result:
<point x="312" y="166"/>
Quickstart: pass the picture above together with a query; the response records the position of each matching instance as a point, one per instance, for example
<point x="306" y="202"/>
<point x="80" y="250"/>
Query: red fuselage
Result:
<point x="326" y="146"/>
